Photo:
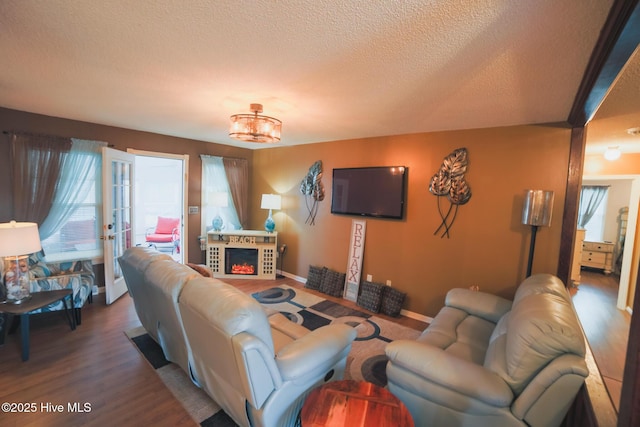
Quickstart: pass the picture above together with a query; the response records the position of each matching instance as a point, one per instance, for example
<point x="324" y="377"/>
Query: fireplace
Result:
<point x="247" y="254"/>
<point x="241" y="261"/>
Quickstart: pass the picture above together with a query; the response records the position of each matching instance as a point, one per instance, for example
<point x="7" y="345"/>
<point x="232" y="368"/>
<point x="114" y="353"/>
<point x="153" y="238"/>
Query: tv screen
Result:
<point x="371" y="191"/>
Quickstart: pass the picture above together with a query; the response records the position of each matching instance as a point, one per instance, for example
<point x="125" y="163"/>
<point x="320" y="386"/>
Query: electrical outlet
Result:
<point x="369" y="278"/>
<point x="389" y="283"/>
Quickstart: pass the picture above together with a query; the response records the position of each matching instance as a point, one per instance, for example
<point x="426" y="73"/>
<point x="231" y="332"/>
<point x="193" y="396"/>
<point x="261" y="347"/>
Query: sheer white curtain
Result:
<point x="590" y="198"/>
<point x="79" y="180"/>
<point x="214" y="183"/>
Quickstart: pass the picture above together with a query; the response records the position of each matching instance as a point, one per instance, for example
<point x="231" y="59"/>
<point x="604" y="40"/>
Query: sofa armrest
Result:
<point x="567" y="365"/>
<point x="481" y="304"/>
<point x="432" y="364"/>
<point x="317" y="351"/>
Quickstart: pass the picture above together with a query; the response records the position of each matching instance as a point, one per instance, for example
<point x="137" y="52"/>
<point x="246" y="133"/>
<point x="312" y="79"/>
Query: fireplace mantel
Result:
<point x="255" y="249"/>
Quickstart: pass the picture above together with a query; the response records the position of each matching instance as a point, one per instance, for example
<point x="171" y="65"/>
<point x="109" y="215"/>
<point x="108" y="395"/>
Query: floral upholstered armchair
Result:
<point x="48" y="276"/>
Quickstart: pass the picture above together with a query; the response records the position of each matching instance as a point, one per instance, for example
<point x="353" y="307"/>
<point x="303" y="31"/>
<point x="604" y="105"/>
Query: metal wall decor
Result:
<point x="313" y="190"/>
<point x="449" y="182"/>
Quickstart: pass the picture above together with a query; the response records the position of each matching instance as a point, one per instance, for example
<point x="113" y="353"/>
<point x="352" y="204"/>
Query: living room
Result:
<point x="486" y="247"/>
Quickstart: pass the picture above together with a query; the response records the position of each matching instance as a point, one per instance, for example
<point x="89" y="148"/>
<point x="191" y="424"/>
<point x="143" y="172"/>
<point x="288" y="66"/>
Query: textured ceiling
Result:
<point x="330" y="70"/>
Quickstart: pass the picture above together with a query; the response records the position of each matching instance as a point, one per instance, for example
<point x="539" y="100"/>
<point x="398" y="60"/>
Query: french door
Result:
<point x="118" y="213"/>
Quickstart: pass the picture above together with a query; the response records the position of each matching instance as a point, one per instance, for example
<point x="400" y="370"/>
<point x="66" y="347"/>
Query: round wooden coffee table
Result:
<point x="353" y="403"/>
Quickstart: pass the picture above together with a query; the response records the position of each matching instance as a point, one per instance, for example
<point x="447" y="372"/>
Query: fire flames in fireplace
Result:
<point x="243" y="269"/>
<point x="242" y="261"/>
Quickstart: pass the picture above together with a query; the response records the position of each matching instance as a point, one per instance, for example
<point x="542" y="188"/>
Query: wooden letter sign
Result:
<point x="354" y="266"/>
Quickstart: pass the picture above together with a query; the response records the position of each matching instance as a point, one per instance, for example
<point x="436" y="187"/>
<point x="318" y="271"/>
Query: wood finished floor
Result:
<point x="98" y="365"/>
<point x="606" y="327"/>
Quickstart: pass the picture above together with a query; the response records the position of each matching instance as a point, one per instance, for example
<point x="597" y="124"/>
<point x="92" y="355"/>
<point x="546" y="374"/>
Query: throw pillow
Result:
<point x="315" y="276"/>
<point x="202" y="269"/>
<point x="370" y="296"/>
<point x="392" y="300"/>
<point x="333" y="283"/>
<point x="166" y="225"/>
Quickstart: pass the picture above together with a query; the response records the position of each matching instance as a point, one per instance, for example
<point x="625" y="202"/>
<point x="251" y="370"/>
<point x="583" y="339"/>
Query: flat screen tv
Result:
<point x="370" y="191"/>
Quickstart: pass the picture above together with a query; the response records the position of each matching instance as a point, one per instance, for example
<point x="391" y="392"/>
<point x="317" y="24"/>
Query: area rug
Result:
<point x="366" y="361"/>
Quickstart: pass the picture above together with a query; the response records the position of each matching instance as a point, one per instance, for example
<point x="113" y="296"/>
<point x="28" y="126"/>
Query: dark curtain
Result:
<point x="237" y="171"/>
<point x="35" y="168"/>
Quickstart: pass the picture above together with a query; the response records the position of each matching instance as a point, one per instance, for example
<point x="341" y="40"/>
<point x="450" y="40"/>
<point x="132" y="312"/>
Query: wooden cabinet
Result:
<point x="577" y="257"/>
<point x="242" y="254"/>
<point x="598" y="255"/>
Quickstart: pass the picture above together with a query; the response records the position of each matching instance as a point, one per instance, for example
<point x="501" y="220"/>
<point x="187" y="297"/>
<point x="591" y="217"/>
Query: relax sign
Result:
<point x="354" y="265"/>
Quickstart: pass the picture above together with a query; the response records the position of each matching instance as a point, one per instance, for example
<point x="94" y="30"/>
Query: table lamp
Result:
<point x="218" y="199"/>
<point x="17" y="241"/>
<point x="270" y="201"/>
<point x="536" y="211"/>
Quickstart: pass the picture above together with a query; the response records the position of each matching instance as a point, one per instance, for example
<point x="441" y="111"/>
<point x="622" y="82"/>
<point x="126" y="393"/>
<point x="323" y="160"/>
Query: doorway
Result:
<point x="626" y="190"/>
<point x="160" y="197"/>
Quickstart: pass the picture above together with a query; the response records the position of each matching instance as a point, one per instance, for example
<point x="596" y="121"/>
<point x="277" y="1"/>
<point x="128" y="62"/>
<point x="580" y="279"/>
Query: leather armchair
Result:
<point x="487" y="361"/>
<point x="251" y="365"/>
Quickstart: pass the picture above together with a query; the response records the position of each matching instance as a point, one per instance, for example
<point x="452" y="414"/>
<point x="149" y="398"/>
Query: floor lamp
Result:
<point x="281" y="251"/>
<point x="536" y="212"/>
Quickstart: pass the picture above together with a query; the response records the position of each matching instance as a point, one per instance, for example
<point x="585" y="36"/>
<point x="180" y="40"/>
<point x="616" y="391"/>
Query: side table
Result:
<point x="353" y="403"/>
<point x="37" y="300"/>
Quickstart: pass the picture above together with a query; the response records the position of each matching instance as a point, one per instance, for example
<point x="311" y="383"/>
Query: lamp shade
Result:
<point x="271" y="201"/>
<point x="19" y="238"/>
<point x="537" y="208"/>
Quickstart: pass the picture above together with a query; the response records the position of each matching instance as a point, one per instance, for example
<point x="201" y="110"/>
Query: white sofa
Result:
<point x="485" y="361"/>
<point x="155" y="293"/>
<point x="257" y="366"/>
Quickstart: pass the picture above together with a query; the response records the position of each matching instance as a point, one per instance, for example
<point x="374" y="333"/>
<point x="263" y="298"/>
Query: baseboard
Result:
<point x="406" y="313"/>
<point x="416" y="316"/>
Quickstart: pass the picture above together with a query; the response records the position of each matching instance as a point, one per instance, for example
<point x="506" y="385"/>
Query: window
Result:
<point x="76" y="214"/>
<point x="216" y="197"/>
<point x="595" y="227"/>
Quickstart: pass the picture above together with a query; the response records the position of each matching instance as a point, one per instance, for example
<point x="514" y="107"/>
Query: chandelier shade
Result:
<point x="255" y="127"/>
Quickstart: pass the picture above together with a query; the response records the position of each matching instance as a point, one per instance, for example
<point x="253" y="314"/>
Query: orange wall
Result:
<point x="488" y="245"/>
<point x="121" y="140"/>
<point x="627" y="164"/>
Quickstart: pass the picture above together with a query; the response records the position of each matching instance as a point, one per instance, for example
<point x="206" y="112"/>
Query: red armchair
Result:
<point x="165" y="236"/>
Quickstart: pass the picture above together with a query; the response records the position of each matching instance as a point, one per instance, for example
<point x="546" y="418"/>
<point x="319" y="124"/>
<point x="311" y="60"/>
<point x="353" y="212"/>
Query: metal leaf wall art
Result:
<point x="449" y="182"/>
<point x="313" y="190"/>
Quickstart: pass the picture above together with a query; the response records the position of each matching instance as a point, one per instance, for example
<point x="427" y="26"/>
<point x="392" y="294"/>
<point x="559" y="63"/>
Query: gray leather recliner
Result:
<point x="486" y="361"/>
<point x="155" y="292"/>
<point x="258" y="370"/>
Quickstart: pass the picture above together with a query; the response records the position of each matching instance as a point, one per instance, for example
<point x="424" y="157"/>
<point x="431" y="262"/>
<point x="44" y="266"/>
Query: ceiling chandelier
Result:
<point x="255" y="127"/>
